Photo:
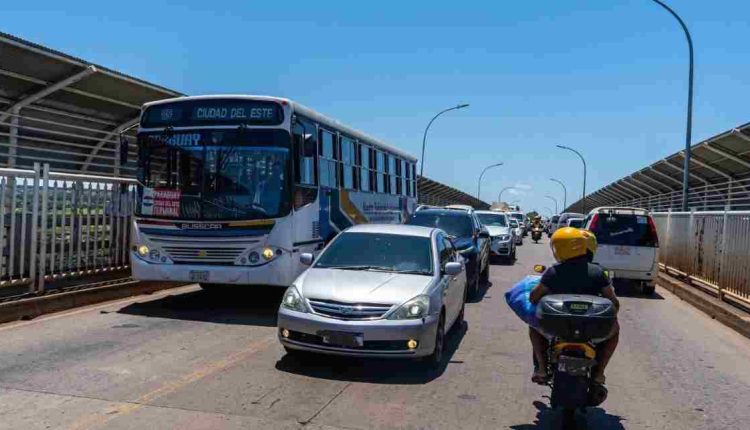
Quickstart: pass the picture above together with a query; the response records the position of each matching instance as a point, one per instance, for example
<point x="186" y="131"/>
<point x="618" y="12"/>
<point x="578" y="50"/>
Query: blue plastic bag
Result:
<point x="518" y="300"/>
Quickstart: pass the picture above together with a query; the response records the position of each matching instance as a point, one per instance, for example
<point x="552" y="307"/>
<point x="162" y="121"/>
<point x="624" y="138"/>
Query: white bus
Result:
<point x="233" y="188"/>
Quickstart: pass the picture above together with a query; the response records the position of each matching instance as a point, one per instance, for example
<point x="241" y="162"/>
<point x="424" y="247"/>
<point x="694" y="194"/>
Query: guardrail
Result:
<point x="711" y="248"/>
<point x="57" y="225"/>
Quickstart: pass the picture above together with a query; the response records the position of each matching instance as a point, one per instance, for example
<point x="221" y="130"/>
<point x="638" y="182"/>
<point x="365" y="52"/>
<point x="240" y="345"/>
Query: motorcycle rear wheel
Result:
<point x="569" y="419"/>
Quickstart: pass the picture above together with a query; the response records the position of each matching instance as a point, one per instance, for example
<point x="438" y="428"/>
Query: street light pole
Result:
<point x="565" y="191"/>
<point x="583" y="197"/>
<point x="689" y="125"/>
<point x="500" y="196"/>
<point x="551" y="214"/>
<point x="479" y="183"/>
<point x="554" y="200"/>
<point x="424" y="138"/>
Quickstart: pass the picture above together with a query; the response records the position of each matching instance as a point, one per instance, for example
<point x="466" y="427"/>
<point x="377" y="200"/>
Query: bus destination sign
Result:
<point x="213" y="112"/>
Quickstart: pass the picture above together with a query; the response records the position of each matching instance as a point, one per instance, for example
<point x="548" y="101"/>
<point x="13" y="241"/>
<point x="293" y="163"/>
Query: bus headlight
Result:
<point x="143" y="250"/>
<point x="259" y="256"/>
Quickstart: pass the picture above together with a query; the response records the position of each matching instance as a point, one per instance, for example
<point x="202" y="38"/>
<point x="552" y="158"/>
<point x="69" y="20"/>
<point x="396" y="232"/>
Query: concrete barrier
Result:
<point x="29" y="308"/>
<point x="725" y="313"/>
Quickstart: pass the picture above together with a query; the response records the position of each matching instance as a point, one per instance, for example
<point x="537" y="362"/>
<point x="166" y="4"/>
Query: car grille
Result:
<point x="369" y="345"/>
<point x="186" y="250"/>
<point x="349" y="311"/>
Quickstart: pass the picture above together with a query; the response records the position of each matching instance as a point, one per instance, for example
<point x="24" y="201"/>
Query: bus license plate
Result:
<point x="199" y="275"/>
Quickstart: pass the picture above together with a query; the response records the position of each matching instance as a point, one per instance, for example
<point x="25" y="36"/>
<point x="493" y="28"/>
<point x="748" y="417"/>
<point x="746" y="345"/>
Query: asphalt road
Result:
<point x="191" y="360"/>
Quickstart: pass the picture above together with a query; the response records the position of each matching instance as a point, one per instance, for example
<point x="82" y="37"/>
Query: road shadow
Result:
<point x="502" y="261"/>
<point x="370" y="370"/>
<point x="626" y="288"/>
<point x="481" y="294"/>
<point x="250" y="305"/>
<point x="593" y="419"/>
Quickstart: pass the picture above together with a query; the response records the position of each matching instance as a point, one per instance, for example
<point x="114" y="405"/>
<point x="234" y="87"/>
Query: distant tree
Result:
<point x="532" y="214"/>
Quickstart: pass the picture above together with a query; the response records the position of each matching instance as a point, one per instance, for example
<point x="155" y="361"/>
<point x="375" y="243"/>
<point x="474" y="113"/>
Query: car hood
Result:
<point x="359" y="286"/>
<point x="497" y="230"/>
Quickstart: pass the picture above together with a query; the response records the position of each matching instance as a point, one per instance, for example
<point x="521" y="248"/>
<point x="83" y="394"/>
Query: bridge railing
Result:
<point x="709" y="249"/>
<point x="55" y="225"/>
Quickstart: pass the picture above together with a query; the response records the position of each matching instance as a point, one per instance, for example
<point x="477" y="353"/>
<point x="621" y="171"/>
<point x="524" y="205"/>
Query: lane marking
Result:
<point x="90" y="308"/>
<point x="169" y="387"/>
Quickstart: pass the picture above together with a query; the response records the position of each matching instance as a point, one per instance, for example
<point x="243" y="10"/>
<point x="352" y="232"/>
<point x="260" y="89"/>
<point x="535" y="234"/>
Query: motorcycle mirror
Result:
<point x="538" y="268"/>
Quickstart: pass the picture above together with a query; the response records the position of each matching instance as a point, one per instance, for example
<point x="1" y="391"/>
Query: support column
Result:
<point x="13" y="140"/>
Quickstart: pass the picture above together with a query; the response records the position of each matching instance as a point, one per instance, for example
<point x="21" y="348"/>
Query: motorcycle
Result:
<point x="574" y="321"/>
<point x="536" y="234"/>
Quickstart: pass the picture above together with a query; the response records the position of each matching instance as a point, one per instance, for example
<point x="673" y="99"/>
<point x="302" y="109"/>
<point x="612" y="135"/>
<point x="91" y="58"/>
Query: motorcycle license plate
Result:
<point x="579" y="307"/>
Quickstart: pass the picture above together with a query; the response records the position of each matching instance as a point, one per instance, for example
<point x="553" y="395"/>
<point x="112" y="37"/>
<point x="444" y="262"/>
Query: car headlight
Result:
<point x="292" y="300"/>
<point x="418" y="307"/>
<point x="502" y="238"/>
<point x="143" y="250"/>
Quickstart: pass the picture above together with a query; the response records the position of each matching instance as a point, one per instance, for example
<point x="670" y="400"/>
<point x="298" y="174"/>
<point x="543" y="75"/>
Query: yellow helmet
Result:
<point x="590" y="242"/>
<point x="568" y="243"/>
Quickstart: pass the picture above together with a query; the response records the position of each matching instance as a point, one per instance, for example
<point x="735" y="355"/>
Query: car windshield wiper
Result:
<point x="414" y="272"/>
<point x="363" y="267"/>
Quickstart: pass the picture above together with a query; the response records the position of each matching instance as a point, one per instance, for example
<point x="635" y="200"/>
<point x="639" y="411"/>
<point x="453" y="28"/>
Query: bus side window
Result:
<point x="305" y="150"/>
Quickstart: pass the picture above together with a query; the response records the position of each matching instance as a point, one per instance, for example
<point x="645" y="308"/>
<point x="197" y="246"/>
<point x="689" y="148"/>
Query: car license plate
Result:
<point x="622" y="250"/>
<point x="199" y="275"/>
<point x="350" y="340"/>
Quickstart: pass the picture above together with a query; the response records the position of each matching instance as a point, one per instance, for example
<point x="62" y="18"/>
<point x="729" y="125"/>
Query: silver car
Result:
<point x="503" y="241"/>
<point x="376" y="291"/>
<point x="517" y="233"/>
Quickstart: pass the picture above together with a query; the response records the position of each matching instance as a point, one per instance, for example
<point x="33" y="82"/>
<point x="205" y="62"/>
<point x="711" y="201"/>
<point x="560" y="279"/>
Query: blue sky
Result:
<point x="606" y="77"/>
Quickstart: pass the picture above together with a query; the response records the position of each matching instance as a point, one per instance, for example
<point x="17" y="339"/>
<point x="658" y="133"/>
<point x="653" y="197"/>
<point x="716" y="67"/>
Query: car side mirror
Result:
<point x="453" y="268"/>
<point x="484" y="234"/>
<point x="306" y="258"/>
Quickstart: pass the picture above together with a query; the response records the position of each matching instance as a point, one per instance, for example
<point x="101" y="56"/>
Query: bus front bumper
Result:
<point x="278" y="272"/>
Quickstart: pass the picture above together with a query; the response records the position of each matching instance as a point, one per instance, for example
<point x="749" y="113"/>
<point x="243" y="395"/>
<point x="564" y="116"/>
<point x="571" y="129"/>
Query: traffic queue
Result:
<point x="402" y="295"/>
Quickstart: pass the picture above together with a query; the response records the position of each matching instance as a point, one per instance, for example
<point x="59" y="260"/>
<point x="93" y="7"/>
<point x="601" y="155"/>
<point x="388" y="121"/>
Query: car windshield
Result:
<point x="493" y="220"/>
<point x="455" y="224"/>
<point x="379" y="252"/>
<point x="514" y="223"/>
<point x="575" y="222"/>
<point x="623" y="229"/>
<point x="555" y="219"/>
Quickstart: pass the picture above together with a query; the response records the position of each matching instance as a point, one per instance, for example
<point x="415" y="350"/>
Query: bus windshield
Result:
<point x="214" y="175"/>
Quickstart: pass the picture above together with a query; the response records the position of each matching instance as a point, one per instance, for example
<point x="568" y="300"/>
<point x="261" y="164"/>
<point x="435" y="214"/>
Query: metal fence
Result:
<point x="734" y="194"/>
<point x="711" y="248"/>
<point x="57" y="225"/>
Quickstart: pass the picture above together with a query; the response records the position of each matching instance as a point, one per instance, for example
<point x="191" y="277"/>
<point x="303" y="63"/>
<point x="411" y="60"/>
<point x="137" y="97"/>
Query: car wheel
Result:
<point x="435" y="359"/>
<point x="485" y="276"/>
<point x="461" y="313"/>
<point x="475" y="282"/>
<point x="648" y="289"/>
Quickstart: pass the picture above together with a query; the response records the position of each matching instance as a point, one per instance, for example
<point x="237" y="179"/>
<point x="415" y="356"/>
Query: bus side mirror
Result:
<point x="124" y="149"/>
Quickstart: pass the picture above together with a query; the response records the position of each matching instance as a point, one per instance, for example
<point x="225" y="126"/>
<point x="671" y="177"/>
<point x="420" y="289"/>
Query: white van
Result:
<point x="628" y="243"/>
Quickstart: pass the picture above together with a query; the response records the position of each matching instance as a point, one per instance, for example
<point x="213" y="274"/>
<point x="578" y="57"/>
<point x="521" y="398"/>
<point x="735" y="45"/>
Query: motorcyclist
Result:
<point x="574" y="274"/>
<point x="536" y="222"/>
